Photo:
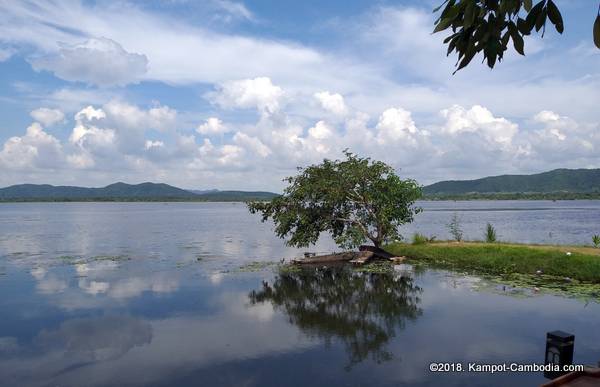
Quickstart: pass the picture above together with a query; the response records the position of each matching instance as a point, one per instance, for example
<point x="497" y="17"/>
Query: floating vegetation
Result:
<point x="256" y="266"/>
<point x="524" y="285"/>
<point x="379" y="267"/>
<point x="114" y="258"/>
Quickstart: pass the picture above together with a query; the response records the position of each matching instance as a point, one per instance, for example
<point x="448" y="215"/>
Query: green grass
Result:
<point x="505" y="259"/>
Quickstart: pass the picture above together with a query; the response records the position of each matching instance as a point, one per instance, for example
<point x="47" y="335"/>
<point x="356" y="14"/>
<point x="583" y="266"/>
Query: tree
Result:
<point x="489" y="25"/>
<point x="355" y="200"/>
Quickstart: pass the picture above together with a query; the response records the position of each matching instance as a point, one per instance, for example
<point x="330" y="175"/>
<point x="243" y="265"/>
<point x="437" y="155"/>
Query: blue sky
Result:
<point x="225" y="94"/>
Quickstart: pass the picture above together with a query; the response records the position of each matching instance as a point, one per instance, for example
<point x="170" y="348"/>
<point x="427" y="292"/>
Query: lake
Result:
<point x="170" y="294"/>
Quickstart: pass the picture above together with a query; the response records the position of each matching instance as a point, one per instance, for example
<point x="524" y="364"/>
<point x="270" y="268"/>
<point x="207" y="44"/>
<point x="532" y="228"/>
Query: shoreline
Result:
<point x="565" y="263"/>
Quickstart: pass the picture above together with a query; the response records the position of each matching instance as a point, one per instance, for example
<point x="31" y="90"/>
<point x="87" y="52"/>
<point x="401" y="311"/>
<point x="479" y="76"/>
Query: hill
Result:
<point x="571" y="181"/>
<point x="123" y="192"/>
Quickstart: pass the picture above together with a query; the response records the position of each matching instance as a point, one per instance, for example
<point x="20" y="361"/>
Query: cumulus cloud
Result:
<point x="47" y="117"/>
<point x="35" y="150"/>
<point x="252" y="143"/>
<point x="98" y="61"/>
<point x="130" y="116"/>
<point x="333" y="103"/>
<point x="212" y="126"/>
<point x="259" y="93"/>
<point x="478" y="119"/>
<point x="396" y="124"/>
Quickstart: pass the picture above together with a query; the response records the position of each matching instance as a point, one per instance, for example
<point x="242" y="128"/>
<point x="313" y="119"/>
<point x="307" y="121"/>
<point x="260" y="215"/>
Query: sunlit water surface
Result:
<point x="152" y="294"/>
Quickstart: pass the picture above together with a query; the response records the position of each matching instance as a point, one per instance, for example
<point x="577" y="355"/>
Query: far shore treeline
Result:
<point x="559" y="184"/>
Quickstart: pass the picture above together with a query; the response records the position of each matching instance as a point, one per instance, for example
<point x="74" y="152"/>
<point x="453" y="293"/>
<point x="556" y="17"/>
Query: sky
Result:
<point x="236" y="95"/>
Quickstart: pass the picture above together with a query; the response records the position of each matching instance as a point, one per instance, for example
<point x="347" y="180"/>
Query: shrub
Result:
<point x="596" y="240"/>
<point x="490" y="233"/>
<point x="455" y="228"/>
<point x="419" y="239"/>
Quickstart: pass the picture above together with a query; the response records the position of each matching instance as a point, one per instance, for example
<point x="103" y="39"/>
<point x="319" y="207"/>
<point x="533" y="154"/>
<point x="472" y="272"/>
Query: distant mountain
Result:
<point x="237" y="196"/>
<point x="123" y="191"/>
<point x="556" y="181"/>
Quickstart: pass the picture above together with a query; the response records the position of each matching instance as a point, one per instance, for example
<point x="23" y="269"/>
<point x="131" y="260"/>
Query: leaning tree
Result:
<point x="355" y="200"/>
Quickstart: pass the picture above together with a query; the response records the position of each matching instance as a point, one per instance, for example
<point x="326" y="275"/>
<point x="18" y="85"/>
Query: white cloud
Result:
<point x="35" y="150"/>
<point x="259" y="93"/>
<point x="132" y="117"/>
<point x="396" y="124"/>
<point x="252" y="143"/>
<point x="212" y="126"/>
<point x="320" y="131"/>
<point x="5" y="54"/>
<point x="478" y="119"/>
<point x="98" y="61"/>
<point x="47" y="117"/>
<point x="235" y="10"/>
<point x="154" y="144"/>
<point x="333" y="103"/>
<point x="90" y="113"/>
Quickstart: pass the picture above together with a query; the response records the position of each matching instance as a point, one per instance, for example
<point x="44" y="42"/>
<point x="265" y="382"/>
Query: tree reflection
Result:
<point x="361" y="310"/>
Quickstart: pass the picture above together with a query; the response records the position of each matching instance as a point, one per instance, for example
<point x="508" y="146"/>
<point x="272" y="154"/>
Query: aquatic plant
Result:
<point x="596" y="240"/>
<point x="455" y="228"/>
<point x="490" y="233"/>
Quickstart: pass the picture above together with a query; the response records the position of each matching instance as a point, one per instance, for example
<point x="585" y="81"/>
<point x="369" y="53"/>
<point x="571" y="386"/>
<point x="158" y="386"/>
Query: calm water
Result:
<point x="151" y="294"/>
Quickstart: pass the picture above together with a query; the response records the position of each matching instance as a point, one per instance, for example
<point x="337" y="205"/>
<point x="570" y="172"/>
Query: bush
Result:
<point x="490" y="233"/>
<point x="419" y="239"/>
<point x="596" y="240"/>
<point x="455" y="228"/>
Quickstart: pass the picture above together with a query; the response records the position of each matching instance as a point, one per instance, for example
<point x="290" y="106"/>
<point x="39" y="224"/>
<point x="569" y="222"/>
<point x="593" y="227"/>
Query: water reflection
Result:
<point x="361" y="310"/>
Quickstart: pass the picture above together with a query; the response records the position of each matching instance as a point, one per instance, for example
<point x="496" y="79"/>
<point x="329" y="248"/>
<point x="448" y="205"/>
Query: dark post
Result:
<point x="559" y="350"/>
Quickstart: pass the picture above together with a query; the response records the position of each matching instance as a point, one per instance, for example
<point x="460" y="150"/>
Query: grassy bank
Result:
<point x="583" y="263"/>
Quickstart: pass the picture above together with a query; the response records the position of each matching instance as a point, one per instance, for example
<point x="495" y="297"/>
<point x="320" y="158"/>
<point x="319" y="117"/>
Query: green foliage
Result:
<point x="488" y="26"/>
<point x="490" y="233"/>
<point x="419" y="239"/>
<point x="596" y="240"/>
<point x="499" y="259"/>
<point x="455" y="228"/>
<point x="355" y="200"/>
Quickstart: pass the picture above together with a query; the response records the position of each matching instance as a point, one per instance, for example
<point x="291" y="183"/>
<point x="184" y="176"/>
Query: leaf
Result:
<point x="523" y="27"/>
<point x="527" y="4"/>
<point x="555" y="17"/>
<point x="467" y="58"/>
<point x="469" y="17"/>
<point x="597" y="31"/>
<point x="518" y="43"/>
<point x="439" y="7"/>
<point x="541" y="19"/>
<point x="442" y="25"/>
<point x="533" y="14"/>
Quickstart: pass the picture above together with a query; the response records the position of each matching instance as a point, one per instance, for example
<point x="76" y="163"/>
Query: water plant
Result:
<point x="596" y="240"/>
<point x="490" y="233"/>
<point x="455" y="228"/>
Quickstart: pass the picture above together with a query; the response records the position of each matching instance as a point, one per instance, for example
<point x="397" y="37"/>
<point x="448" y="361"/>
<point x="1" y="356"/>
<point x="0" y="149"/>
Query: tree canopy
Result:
<point x="488" y="26"/>
<point x="355" y="200"/>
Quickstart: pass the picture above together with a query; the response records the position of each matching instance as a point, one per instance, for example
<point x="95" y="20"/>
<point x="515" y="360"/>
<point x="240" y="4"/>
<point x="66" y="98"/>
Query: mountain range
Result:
<point x="123" y="192"/>
<point x="556" y="184"/>
<point x="558" y="181"/>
